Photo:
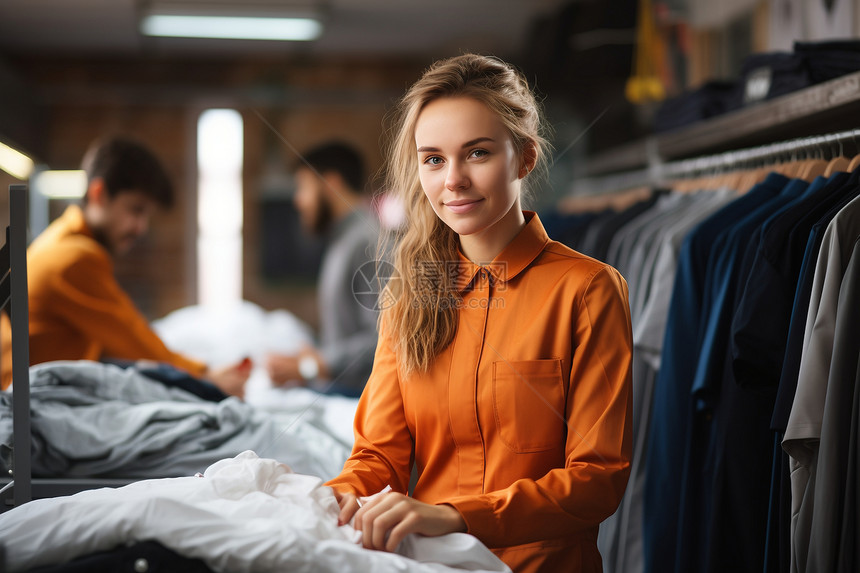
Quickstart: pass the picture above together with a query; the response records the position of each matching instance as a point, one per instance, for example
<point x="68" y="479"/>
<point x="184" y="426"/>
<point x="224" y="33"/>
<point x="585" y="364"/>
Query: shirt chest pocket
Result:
<point x="528" y="402"/>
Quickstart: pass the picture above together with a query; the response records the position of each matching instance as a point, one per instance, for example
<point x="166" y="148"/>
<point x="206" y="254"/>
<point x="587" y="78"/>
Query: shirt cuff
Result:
<point x="477" y="514"/>
<point x="191" y="366"/>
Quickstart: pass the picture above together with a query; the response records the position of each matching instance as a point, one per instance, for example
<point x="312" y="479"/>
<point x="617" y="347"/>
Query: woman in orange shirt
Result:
<point x="502" y="371"/>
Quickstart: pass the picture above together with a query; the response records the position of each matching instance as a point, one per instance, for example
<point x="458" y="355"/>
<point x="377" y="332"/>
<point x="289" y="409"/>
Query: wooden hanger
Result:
<point x="748" y="180"/>
<point x="721" y="180"/>
<point x="837" y="164"/>
<point x="854" y="162"/>
<point x="790" y="169"/>
<point x="684" y="185"/>
<point x="731" y="180"/>
<point x="757" y="176"/>
<point x="618" y="200"/>
<point x="812" y="168"/>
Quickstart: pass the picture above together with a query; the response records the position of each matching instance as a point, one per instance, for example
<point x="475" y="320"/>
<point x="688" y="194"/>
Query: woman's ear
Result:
<point x="528" y="159"/>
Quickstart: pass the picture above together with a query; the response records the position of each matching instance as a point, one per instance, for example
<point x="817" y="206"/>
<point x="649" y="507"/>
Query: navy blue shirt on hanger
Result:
<point x="671" y="418"/>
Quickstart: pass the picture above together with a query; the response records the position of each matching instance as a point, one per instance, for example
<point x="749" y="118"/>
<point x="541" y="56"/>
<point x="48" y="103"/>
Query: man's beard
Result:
<point x="118" y="248"/>
<point x="325" y="215"/>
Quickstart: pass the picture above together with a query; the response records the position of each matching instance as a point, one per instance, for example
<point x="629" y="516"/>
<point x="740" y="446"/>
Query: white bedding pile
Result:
<point x="245" y="514"/>
<point x="220" y="336"/>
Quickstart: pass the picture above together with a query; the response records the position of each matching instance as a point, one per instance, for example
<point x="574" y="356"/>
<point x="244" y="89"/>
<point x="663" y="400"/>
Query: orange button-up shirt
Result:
<point x="78" y="311"/>
<point x="523" y="423"/>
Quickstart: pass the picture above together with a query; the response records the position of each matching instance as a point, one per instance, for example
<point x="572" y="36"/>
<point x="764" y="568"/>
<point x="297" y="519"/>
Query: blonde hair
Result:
<point x="420" y="300"/>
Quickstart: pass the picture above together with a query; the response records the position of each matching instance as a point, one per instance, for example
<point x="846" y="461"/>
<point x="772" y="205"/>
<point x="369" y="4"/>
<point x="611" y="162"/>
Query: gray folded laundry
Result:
<point x="98" y="420"/>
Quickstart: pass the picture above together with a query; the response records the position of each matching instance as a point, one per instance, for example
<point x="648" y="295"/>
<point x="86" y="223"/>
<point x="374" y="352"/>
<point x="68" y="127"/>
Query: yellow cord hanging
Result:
<point x="645" y="84"/>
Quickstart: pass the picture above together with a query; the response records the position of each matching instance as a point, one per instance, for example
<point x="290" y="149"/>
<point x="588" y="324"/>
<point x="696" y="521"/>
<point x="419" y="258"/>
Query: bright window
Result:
<point x="219" y="207"/>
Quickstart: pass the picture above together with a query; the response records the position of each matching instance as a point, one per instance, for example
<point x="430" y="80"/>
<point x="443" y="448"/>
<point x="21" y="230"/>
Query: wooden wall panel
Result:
<point x="302" y="102"/>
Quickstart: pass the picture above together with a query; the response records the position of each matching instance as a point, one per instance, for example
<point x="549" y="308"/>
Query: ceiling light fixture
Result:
<point x="231" y="27"/>
<point x="61" y="184"/>
<point x="14" y="162"/>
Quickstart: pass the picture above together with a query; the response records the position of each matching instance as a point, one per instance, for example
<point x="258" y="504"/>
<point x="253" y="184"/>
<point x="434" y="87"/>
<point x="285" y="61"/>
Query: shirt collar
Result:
<point x="513" y="259"/>
<point x="73" y="220"/>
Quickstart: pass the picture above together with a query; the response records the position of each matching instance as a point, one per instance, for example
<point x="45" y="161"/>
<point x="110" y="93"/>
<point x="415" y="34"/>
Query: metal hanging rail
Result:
<point x="821" y="146"/>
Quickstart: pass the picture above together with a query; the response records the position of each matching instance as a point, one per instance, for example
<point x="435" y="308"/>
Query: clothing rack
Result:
<point x="13" y="295"/>
<point x="750" y="254"/>
<point x="14" y="298"/>
<point x="824" y="146"/>
<point x="815" y="110"/>
<point x="819" y="146"/>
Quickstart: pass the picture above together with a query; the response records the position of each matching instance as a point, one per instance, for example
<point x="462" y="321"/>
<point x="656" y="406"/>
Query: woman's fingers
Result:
<point x="373" y="519"/>
<point x="387" y="519"/>
<point x="348" y="505"/>
<point x="403" y="528"/>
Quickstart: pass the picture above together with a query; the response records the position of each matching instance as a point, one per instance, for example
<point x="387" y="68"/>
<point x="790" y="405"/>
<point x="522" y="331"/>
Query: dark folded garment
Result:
<point x="830" y="59"/>
<point x="174" y="377"/>
<point x="148" y="556"/>
<point x="763" y="76"/>
<point x="841" y="45"/>
<point x="767" y="75"/>
<point x="711" y="99"/>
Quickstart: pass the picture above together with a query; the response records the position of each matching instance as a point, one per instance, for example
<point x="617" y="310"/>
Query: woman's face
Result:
<point x="468" y="165"/>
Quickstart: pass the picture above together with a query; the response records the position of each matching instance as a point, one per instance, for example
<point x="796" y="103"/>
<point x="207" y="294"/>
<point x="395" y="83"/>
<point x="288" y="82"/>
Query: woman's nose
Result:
<point x="456" y="178"/>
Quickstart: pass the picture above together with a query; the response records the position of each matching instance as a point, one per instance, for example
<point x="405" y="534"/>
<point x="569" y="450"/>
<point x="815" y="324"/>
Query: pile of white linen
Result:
<point x="244" y="514"/>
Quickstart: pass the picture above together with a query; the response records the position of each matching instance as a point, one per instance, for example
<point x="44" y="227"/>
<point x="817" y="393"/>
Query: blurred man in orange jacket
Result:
<point x="78" y="311"/>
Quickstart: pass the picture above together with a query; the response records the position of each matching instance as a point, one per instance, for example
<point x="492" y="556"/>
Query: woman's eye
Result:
<point x="433" y="160"/>
<point x="478" y="153"/>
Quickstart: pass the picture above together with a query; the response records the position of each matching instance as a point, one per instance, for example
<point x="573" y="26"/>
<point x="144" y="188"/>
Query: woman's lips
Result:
<point x="461" y="206"/>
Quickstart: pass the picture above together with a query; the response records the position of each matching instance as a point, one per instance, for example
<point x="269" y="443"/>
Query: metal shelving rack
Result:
<point x="832" y="106"/>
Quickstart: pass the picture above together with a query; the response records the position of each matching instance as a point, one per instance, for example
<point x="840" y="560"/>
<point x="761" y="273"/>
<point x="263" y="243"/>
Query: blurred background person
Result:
<point x="78" y="310"/>
<point x="332" y="201"/>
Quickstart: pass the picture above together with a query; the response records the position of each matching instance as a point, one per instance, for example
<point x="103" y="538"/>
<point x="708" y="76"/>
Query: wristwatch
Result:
<point x="309" y="368"/>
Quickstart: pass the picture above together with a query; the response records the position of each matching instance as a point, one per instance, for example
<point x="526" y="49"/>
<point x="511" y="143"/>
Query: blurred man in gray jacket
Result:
<point x="332" y="201"/>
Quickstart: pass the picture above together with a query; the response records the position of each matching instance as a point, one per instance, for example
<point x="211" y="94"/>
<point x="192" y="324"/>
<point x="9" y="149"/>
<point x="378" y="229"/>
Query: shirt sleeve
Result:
<point x="88" y="296"/>
<point x="382" y="454"/>
<point x="598" y="445"/>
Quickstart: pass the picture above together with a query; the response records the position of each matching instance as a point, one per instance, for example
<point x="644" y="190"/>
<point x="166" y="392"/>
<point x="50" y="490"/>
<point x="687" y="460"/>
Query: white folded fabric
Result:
<point x="244" y="514"/>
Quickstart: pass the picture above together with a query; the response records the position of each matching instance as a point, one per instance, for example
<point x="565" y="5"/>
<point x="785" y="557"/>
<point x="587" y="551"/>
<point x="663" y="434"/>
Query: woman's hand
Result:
<point x="385" y="520"/>
<point x="348" y="504"/>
